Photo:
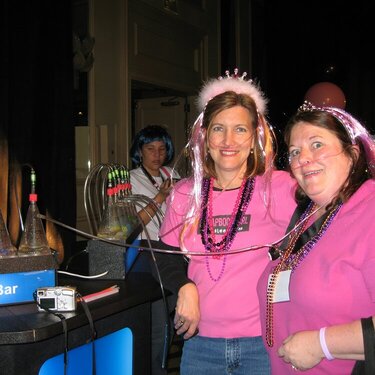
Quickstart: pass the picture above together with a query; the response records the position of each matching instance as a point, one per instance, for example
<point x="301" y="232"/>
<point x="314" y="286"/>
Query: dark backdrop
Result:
<point x="36" y="102"/>
<point x="306" y="38"/>
<point x="303" y="39"/>
<point x="294" y="44"/>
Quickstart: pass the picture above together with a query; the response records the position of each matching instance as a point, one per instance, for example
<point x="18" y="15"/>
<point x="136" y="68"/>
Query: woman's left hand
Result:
<point x="165" y="188"/>
<point x="302" y="350"/>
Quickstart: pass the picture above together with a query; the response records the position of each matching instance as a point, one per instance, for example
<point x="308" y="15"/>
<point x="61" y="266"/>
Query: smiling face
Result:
<point x="230" y="139"/>
<point x="318" y="161"/>
<point x="153" y="156"/>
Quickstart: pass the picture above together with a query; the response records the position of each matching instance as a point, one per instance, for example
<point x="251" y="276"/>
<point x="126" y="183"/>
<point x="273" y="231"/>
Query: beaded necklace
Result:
<point x="207" y="231"/>
<point x="290" y="260"/>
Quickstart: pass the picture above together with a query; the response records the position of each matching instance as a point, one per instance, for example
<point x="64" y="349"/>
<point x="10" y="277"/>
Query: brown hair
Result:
<point x="358" y="172"/>
<point x="263" y="137"/>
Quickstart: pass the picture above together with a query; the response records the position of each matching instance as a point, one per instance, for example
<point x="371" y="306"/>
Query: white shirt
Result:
<point x="142" y="185"/>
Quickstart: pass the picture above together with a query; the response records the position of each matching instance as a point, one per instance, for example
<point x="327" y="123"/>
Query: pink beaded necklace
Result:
<point x="291" y="260"/>
<point x="206" y="223"/>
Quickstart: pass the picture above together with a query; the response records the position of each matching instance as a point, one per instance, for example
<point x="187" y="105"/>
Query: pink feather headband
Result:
<point x="236" y="83"/>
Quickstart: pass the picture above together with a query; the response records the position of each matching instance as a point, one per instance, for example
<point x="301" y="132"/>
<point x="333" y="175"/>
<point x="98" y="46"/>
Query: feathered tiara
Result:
<point x="236" y="83"/>
<point x="356" y="131"/>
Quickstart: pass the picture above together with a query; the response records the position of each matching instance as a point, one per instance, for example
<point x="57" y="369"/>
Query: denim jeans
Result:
<point x="217" y="356"/>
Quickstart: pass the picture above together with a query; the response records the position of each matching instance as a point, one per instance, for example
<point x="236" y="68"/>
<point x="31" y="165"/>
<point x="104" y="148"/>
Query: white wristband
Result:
<point x="323" y="344"/>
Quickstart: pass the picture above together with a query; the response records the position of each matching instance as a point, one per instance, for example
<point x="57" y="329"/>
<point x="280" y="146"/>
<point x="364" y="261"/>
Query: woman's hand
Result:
<point x="187" y="314"/>
<point x="164" y="190"/>
<point x="302" y="350"/>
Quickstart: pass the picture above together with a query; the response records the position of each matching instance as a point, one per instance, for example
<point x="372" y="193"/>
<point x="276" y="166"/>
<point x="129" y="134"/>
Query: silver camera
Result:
<point x="58" y="298"/>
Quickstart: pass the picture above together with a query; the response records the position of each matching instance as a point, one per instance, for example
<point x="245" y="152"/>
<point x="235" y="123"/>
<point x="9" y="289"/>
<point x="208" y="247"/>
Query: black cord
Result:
<point x="167" y="326"/>
<point x="92" y="329"/>
<point x="72" y="257"/>
<point x="65" y="329"/>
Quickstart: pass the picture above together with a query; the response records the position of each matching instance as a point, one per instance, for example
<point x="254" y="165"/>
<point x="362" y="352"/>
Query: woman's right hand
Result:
<point x="302" y="350"/>
<point x="187" y="314"/>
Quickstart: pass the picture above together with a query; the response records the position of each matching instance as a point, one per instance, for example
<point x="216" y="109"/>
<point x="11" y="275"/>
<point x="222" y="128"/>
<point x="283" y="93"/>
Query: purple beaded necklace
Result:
<point x="294" y="259"/>
<point x="207" y="231"/>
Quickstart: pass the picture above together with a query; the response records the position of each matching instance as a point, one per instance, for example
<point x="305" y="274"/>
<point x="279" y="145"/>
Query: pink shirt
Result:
<point x="334" y="284"/>
<point x="229" y="307"/>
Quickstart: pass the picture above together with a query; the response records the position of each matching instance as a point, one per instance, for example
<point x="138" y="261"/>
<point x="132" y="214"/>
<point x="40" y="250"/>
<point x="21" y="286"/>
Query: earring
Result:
<point x="207" y="154"/>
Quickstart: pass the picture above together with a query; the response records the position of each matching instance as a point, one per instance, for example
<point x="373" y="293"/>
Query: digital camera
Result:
<point x="58" y="298"/>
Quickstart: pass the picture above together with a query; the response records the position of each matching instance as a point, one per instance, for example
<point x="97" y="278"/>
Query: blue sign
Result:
<point x="19" y="287"/>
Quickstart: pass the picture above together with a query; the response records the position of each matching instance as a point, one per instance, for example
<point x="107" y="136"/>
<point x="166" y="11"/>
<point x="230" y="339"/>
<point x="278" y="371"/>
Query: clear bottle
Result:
<point x="109" y="227"/>
<point x="33" y="239"/>
<point x="126" y="211"/>
<point x="7" y="249"/>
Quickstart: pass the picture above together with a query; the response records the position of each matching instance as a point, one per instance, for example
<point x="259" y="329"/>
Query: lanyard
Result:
<point x="150" y="178"/>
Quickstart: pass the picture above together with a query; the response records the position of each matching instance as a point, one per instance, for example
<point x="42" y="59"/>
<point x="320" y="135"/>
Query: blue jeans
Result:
<point x="217" y="356"/>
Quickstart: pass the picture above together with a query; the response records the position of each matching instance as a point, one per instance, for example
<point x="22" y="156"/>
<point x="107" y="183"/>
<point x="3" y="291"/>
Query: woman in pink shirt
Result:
<point x="234" y="201"/>
<point x="314" y="295"/>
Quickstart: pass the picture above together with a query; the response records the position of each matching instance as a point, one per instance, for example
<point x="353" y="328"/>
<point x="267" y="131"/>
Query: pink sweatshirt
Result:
<point x="334" y="284"/>
<point x="229" y="307"/>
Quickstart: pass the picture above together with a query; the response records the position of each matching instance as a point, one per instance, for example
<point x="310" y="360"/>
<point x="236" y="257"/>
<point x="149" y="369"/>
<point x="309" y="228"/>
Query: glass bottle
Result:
<point x="6" y="247"/>
<point x="109" y="227"/>
<point x="126" y="211"/>
<point x="33" y="239"/>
